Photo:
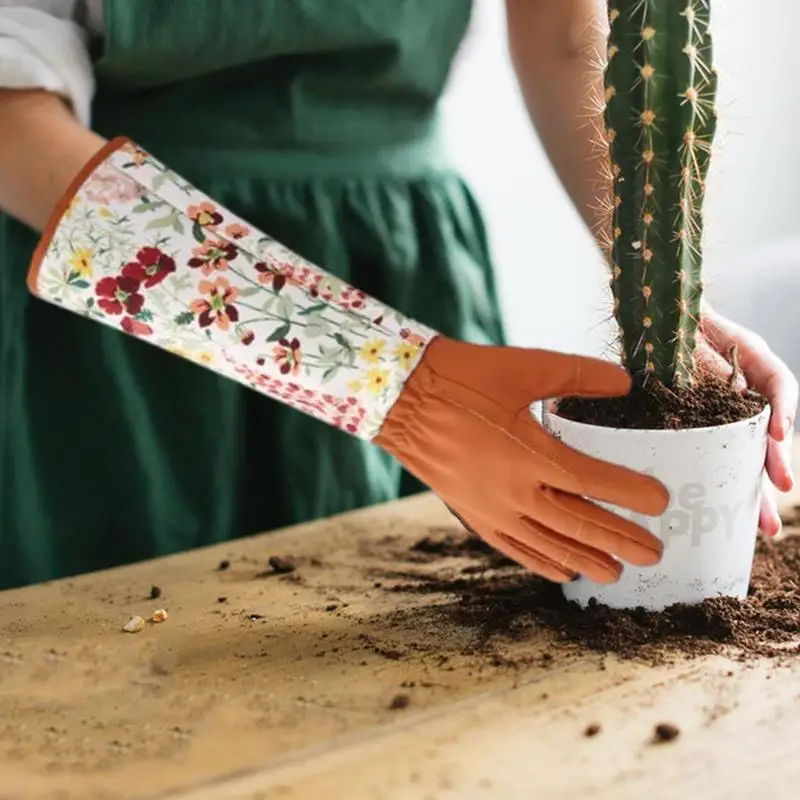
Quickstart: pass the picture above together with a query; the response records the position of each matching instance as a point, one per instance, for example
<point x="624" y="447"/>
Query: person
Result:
<point x="235" y="196"/>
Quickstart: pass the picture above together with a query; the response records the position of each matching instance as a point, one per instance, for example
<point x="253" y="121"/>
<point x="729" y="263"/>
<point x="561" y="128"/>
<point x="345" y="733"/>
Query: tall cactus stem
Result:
<point x="660" y="117"/>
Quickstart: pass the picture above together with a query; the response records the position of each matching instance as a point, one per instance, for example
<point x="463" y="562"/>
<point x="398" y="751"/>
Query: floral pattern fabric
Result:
<point x="142" y="250"/>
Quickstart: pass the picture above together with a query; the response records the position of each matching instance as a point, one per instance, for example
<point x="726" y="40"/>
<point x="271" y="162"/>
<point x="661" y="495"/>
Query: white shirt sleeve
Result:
<point x="41" y="47"/>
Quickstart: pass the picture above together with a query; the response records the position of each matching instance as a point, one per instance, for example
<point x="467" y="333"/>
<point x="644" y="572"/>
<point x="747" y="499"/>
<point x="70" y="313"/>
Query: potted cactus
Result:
<point x="691" y="430"/>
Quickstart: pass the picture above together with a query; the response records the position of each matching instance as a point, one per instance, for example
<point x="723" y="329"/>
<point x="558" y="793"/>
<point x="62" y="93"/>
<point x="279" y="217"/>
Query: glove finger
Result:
<point x="520" y="375"/>
<point x="598" y="528"/>
<point x="570" y="554"/>
<point x="571" y="471"/>
<point x="461" y="519"/>
<point x="556" y="375"/>
<point x="521" y="551"/>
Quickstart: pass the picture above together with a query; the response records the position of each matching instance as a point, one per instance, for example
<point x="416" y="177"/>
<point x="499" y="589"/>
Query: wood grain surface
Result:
<point x="281" y="686"/>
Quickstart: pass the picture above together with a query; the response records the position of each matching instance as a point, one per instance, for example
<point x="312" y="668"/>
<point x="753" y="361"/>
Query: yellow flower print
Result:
<point x="178" y="351"/>
<point x="355" y="387"/>
<point x="81" y="262"/>
<point x="205" y="357"/>
<point x="104" y="212"/>
<point x="405" y="353"/>
<point x="377" y="380"/>
<point x="371" y="350"/>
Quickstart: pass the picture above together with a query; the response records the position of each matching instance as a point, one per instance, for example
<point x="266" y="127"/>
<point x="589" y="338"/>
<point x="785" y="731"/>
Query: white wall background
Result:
<point x="551" y="279"/>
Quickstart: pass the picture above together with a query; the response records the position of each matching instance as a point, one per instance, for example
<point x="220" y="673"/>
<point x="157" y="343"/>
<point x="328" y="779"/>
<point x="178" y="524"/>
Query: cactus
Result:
<point x="660" y="120"/>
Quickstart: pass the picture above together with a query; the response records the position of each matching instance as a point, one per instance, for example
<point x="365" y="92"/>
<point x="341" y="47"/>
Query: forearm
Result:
<point x="42" y="147"/>
<point x="557" y="48"/>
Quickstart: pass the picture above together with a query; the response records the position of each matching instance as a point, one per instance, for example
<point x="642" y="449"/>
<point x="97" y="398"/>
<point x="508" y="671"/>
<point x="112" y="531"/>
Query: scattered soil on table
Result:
<point x="507" y="603"/>
<point x="155" y="592"/>
<point x="655" y="407"/>
<point x="592" y="730"/>
<point x="666" y="732"/>
<point x="223" y="565"/>
<point x="400" y="701"/>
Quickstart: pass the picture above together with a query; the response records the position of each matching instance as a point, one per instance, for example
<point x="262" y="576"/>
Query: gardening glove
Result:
<point x="463" y="425"/>
<point x="134" y="246"/>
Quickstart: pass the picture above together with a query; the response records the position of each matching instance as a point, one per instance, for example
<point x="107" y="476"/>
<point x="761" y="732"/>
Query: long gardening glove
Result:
<point x="134" y="246"/>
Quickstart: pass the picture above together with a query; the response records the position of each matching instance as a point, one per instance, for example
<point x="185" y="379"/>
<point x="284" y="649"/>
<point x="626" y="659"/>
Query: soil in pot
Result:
<point x="709" y="402"/>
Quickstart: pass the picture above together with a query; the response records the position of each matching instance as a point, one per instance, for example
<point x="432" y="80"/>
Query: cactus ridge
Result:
<point x="660" y="119"/>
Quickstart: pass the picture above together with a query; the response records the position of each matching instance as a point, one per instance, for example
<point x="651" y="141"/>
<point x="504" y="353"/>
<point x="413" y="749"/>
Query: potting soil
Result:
<point x="499" y="600"/>
<point x="657" y="407"/>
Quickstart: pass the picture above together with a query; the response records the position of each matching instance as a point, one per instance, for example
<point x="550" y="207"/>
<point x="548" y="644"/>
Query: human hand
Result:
<point x="463" y="426"/>
<point x="764" y="372"/>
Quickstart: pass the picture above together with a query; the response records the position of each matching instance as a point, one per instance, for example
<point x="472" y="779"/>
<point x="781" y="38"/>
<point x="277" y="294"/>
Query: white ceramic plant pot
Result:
<point x="709" y="529"/>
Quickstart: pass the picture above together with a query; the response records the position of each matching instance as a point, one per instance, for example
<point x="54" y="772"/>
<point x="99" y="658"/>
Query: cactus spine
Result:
<point x="660" y="118"/>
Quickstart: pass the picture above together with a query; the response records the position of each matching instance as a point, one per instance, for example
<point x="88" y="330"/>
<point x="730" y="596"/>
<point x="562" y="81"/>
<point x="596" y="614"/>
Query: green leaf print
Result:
<point x="342" y="341"/>
<point x="163" y="222"/>
<point x="285" y="306"/>
<point x="198" y="232"/>
<point x="184" y="318"/>
<point x="159" y="181"/>
<point x="316" y="327"/>
<point x="312" y="309"/>
<point x="330" y="373"/>
<point x="281" y="332"/>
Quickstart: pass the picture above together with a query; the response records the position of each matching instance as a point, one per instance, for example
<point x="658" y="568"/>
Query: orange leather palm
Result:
<point x="463" y="426"/>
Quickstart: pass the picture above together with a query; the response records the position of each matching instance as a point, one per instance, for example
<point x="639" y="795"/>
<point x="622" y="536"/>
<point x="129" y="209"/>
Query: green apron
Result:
<point x="317" y="122"/>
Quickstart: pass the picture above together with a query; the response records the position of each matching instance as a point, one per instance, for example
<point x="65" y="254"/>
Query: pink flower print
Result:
<point x="214" y="254"/>
<point x="217" y="305"/>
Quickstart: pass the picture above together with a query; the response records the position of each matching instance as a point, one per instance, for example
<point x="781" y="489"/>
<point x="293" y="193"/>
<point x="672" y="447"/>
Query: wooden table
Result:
<point x="283" y="690"/>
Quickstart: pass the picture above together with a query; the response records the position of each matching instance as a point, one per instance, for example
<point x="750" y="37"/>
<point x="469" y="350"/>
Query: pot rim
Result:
<point x="766" y="411"/>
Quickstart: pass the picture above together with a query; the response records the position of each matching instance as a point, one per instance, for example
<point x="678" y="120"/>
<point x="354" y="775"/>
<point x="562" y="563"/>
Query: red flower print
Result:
<point x="134" y="327"/>
<point x="150" y="268"/>
<point x="204" y="214"/>
<point x="287" y="356"/>
<point x="213" y="254"/>
<point x="217" y="305"/>
<point x="247" y="336"/>
<point x="267" y="275"/>
<point x="119" y="294"/>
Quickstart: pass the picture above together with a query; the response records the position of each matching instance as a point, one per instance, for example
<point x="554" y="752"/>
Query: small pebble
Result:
<point x="133" y="625"/>
<point x="155" y="592"/>
<point x="592" y="730"/>
<point x="666" y="732"/>
<point x="159" y="615"/>
<point x="223" y="565"/>
<point x="282" y="564"/>
<point x="400" y="701"/>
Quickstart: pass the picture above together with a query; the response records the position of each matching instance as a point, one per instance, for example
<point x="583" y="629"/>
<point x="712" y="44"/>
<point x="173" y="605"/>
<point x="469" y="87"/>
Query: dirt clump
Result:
<point x="665" y="732"/>
<point x="399" y="701"/>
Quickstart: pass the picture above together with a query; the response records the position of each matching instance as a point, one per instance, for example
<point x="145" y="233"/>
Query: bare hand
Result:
<point x="764" y="372"/>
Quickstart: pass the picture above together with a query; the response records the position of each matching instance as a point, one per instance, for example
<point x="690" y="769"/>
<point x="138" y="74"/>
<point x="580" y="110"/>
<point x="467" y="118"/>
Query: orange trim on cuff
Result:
<point x="63" y="204"/>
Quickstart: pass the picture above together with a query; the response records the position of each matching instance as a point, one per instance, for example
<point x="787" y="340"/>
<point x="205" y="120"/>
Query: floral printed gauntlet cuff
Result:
<point x="136" y="247"/>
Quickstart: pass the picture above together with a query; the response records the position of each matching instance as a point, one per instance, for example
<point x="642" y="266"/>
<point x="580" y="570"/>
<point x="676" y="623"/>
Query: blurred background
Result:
<point x="551" y="279"/>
